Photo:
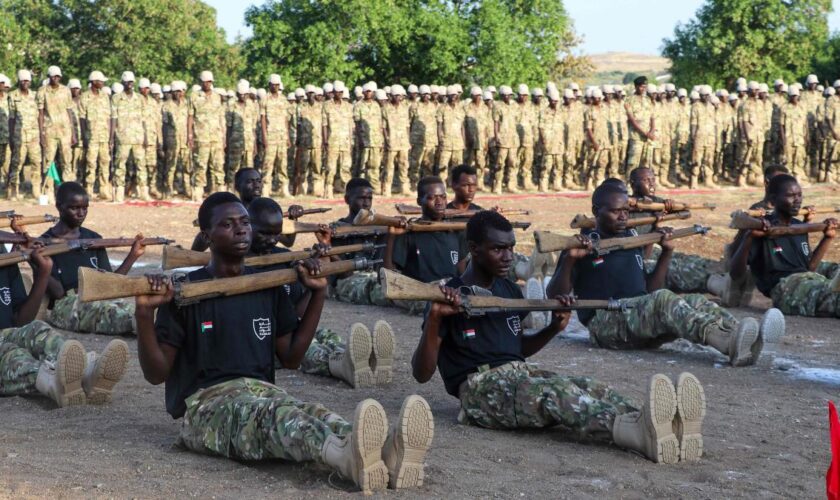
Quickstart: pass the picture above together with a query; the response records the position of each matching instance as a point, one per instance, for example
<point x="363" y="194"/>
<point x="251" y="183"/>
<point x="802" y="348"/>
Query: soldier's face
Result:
<point x="453" y="98"/>
<point x="128" y="86"/>
<point x="495" y="254"/>
<point x="55" y="80"/>
<point x="523" y="98"/>
<point x="73" y="211"/>
<point x="207" y="86"/>
<point x="368" y="95"/>
<point x="75" y="92"/>
<point x="412" y="95"/>
<point x="97" y="84"/>
<point x="274" y="88"/>
<point x="424" y="97"/>
<point x="706" y="98"/>
<point x="360" y="198"/>
<point x="24" y="84"/>
<point x="789" y="199"/>
<point x="794" y="99"/>
<point x="465" y="188"/>
<point x="643" y="182"/>
<point x="178" y="95"/>
<point x="3" y="87"/>
<point x="266" y="229"/>
<point x="641" y="89"/>
<point x="476" y="99"/>
<point x="230" y="230"/>
<point x="812" y="86"/>
<point x="433" y="201"/>
<point x="612" y="215"/>
<point x="553" y="104"/>
<point x="144" y="91"/>
<point x="506" y="98"/>
<point x="249" y="185"/>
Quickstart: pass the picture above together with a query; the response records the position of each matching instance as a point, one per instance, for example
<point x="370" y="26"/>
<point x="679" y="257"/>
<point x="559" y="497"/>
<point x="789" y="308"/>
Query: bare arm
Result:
<point x="291" y="348"/>
<point x="156" y="358"/>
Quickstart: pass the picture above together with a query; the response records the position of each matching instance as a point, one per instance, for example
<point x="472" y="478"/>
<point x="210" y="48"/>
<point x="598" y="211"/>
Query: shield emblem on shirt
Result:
<point x="640" y="261"/>
<point x="262" y="327"/>
<point x="454" y="256"/>
<point x="515" y="325"/>
<point x="94" y="261"/>
<point x="633" y="232"/>
<point x="805" y="248"/>
<point x="5" y="296"/>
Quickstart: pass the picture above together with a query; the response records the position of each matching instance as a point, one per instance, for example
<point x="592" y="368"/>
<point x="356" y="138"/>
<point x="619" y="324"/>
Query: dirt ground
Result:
<point x="766" y="433"/>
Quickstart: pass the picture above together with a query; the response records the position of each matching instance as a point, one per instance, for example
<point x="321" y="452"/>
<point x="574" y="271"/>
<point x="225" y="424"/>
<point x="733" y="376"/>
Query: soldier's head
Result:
<point x="24" y="78"/>
<point x="266" y="224"/>
<point x="358" y="194"/>
<point x="425" y="93"/>
<point x="431" y="196"/>
<point x="610" y="208"/>
<point x="338" y="91"/>
<point x="784" y="192"/>
<point x="643" y="181"/>
<point x="475" y="95"/>
<point x="568" y="96"/>
<point x="127" y="82"/>
<point x="464" y="182"/>
<point x="54" y="76"/>
<point x="275" y="84"/>
<point x="505" y="92"/>
<point x="537" y="96"/>
<point x="225" y="223"/>
<point x="75" y="87"/>
<point x="522" y="95"/>
<point x="640" y="84"/>
<point x="206" y="79"/>
<point x="490" y="239"/>
<point x="773" y="171"/>
<point x="452" y="94"/>
<point x="248" y="183"/>
<point x="72" y="201"/>
<point x="812" y="81"/>
<point x="793" y="94"/>
<point x="705" y="94"/>
<point x="145" y="86"/>
<point x="553" y="98"/>
<point x="412" y="92"/>
<point x="4" y="82"/>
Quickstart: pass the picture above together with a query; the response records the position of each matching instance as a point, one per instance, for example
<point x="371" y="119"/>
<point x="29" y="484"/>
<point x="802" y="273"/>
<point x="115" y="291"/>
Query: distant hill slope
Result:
<point x="629" y="62"/>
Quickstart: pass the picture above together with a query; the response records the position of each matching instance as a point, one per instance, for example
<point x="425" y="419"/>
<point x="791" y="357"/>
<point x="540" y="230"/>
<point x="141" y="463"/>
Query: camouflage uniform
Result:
<point x="241" y="134"/>
<point x="370" y="139"/>
<point x="450" y="119"/>
<point x="95" y="112"/>
<point x="615" y="113"/>
<point x="681" y="145"/>
<point x="596" y="121"/>
<point x="77" y="152"/>
<point x="507" y="144"/>
<point x="703" y="130"/>
<point x="724" y="123"/>
<point x="105" y="317"/>
<point x="526" y="127"/>
<point x="478" y="125"/>
<point x="750" y="118"/>
<point x="552" y="127"/>
<point x="131" y="137"/>
<point x="395" y="118"/>
<point x="176" y="147"/>
<point x="5" y="151"/>
<point x="794" y="124"/>
<point x="807" y="294"/>
<point x="22" y="350"/>
<point x="362" y="287"/>
<point x="778" y="100"/>
<point x="58" y="128"/>
<point x="326" y="343"/>
<point x="654" y="147"/>
<point x="662" y="316"/>
<point x="638" y="147"/>
<point x="278" y="113"/>
<point x="249" y="419"/>
<point x="153" y="119"/>
<point x="338" y="120"/>
<point x="423" y="139"/>
<point x="832" y="130"/>
<point x="666" y="138"/>
<point x="208" y="114"/>
<point x="518" y="395"/>
<point x="310" y="142"/>
<point x="575" y="138"/>
<point x="812" y="99"/>
<point x="26" y="142"/>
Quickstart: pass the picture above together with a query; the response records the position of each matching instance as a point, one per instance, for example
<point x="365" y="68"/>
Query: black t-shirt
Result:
<point x="222" y="339"/>
<point x="66" y="265"/>
<point x="12" y="293"/>
<point x="376" y="253"/>
<point x="430" y="256"/>
<point x="616" y="275"/>
<point x="472" y="206"/>
<point x="645" y="213"/>
<point x="772" y="259"/>
<point x="295" y="290"/>
<point x="468" y="343"/>
<point x="462" y="235"/>
<point x="763" y="205"/>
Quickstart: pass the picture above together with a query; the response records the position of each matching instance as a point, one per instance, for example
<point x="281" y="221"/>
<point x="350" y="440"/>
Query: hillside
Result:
<point x="626" y="62"/>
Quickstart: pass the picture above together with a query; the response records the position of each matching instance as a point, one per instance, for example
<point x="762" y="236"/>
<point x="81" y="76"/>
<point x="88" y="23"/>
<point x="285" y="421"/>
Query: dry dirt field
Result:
<point x="766" y="433"/>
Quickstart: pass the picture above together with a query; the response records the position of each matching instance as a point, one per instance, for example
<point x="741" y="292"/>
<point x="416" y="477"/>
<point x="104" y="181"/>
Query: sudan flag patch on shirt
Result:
<point x="206" y="326"/>
<point x="469" y="334"/>
<point x="597" y="261"/>
<point x="777" y="249"/>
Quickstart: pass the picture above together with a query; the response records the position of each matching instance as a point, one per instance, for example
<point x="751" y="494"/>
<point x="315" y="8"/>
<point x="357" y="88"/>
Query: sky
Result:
<point x="639" y="27"/>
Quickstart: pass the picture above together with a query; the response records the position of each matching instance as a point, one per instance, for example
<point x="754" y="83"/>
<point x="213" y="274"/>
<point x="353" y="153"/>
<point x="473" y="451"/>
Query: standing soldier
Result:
<point x="794" y="134"/>
<point x="55" y="121"/>
<point x="832" y="134"/>
<point x="666" y="134"/>
<point x="241" y="132"/>
<point x="596" y="124"/>
<point x="723" y="119"/>
<point x="206" y="135"/>
<point x="338" y="134"/>
<point x="26" y="140"/>
<point x="526" y="127"/>
<point x="5" y="152"/>
<point x="680" y="147"/>
<point x="369" y="135"/>
<point x="655" y="146"/>
<point x="641" y="126"/>
<point x="621" y="125"/>
<point x="703" y="130"/>
<point x="750" y="135"/>
<point x="552" y="127"/>
<point x="396" y="121"/>
<point x="77" y="151"/>
<point x="153" y="122"/>
<point x="178" y="158"/>
<point x="422" y="136"/>
<point x="574" y="136"/>
<point x="95" y="125"/>
<point x="810" y="99"/>
<point x="778" y="100"/>
<point x="127" y="114"/>
<point x="477" y="122"/>
<point x="450" y="119"/>
<point x="310" y="141"/>
<point x="275" y="115"/>
<point x="507" y="142"/>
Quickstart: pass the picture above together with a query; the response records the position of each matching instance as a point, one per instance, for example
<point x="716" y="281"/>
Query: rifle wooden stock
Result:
<point x="550" y="242"/>
<point x="306" y="211"/>
<point x="741" y="220"/>
<point x="452" y="213"/>
<point x="369" y="217"/>
<point x="760" y="212"/>
<point x="175" y="257"/>
<point x="651" y="206"/>
<point x="27" y="220"/>
<point x="97" y="285"/>
<point x="583" y="222"/>
<point x="396" y="286"/>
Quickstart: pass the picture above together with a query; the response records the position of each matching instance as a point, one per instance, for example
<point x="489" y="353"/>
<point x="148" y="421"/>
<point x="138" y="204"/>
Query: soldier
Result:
<point x="750" y="135"/>
<point x="492" y="149"/>
<point x="811" y="99"/>
<point x="507" y="142"/>
<point x="206" y="137"/>
<point x="241" y="130"/>
<point x="95" y="125"/>
<point x="127" y="113"/>
<point x="551" y="129"/>
<point x="641" y="125"/>
<point x="369" y="135"/>
<point x="777" y="100"/>
<point x="726" y="125"/>
<point x="55" y="121"/>
<point x="794" y="134"/>
<point x="5" y="152"/>
<point x="451" y="134"/>
<point x="177" y="152"/>
<point x="26" y="141"/>
<point x="275" y="115"/>
<point x="574" y="137"/>
<point x="423" y="136"/>
<point x="680" y="145"/>
<point x="659" y="116"/>
<point x="526" y="127"/>
<point x="596" y="124"/>
<point x="703" y="130"/>
<point x="477" y="124"/>
<point x="153" y="122"/>
<point x="413" y="92"/>
<point x="668" y="102"/>
<point x="832" y="135"/>
<point x="77" y="150"/>
<point x="310" y="142"/>
<point x="338" y="135"/>
<point x="396" y="122"/>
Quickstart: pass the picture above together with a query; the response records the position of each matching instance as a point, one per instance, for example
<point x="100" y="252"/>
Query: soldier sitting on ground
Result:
<point x="482" y="362"/>
<point x="222" y="382"/>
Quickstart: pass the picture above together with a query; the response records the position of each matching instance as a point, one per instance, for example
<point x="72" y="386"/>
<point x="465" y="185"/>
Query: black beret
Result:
<point x="640" y="80"/>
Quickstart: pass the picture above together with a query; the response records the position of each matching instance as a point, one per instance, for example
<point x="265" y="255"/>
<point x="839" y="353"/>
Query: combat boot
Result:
<point x="36" y="190"/>
<point x="650" y="431"/>
<point x="104" y="371"/>
<point x="382" y="354"/>
<point x="353" y="365"/>
<point x="688" y="424"/>
<point x="106" y="192"/>
<point x="772" y="326"/>
<point x="742" y="346"/>
<point x="358" y="455"/>
<point x="197" y="194"/>
<point x="692" y="181"/>
<point x="188" y="190"/>
<point x="497" y="183"/>
<point x="153" y="191"/>
<point x="12" y="193"/>
<point x="409" y="439"/>
<point x="119" y="194"/>
<point x="143" y="193"/>
<point x="721" y="285"/>
<point x="62" y="381"/>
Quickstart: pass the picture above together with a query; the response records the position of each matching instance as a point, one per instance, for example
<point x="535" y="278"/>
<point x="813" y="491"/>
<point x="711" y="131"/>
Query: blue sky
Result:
<point x="606" y="25"/>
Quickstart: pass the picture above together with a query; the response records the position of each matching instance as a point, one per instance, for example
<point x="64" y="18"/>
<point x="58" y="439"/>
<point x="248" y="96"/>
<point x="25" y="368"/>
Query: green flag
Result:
<point x="53" y="172"/>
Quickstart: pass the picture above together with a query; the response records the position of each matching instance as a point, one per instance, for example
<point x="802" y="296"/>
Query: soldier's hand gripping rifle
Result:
<point x="396" y="286"/>
<point x="551" y="242"/>
<point x="371" y="218"/>
<point x="62" y="246"/>
<point x="22" y="220"/>
<point x="760" y="212"/>
<point x="175" y="257"/>
<point x="452" y="213"/>
<point x="741" y="220"/>
<point x="98" y="285"/>
<point x="671" y="206"/>
<point x="583" y="222"/>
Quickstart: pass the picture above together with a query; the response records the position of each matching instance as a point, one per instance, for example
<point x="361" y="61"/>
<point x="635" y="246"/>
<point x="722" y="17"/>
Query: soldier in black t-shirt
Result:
<point x="217" y="360"/>
<point x="783" y="266"/>
<point x="482" y="362"/>
<point x="109" y="317"/>
<point x="464" y="183"/>
<point x="654" y="315"/>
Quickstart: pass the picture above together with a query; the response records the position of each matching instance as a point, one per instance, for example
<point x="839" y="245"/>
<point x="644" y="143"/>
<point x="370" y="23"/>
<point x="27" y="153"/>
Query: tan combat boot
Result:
<point x="409" y="439"/>
<point x="353" y="365"/>
<point x="143" y="193"/>
<point x="742" y="346"/>
<point x="688" y="424"/>
<point x="106" y="192"/>
<point x="650" y="431"/>
<point x="153" y="191"/>
<point x="772" y="326"/>
<point x="722" y="286"/>
<point x="497" y="182"/>
<point x="104" y="371"/>
<point x="119" y="194"/>
<point x="382" y="355"/>
<point x="62" y="381"/>
<point x="12" y="193"/>
<point x="358" y="456"/>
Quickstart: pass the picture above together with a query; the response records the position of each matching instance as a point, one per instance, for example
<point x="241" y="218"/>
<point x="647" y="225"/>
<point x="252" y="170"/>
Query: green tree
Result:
<point x="756" y="39"/>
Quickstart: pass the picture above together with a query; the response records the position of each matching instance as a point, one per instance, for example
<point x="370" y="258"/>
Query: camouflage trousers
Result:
<point x="361" y="288"/>
<point x="316" y="361"/>
<point x="656" y="318"/>
<point x="806" y="294"/>
<point x="828" y="269"/>
<point x="106" y="317"/>
<point x="686" y="273"/>
<point x="517" y="395"/>
<point x="21" y="352"/>
<point x="248" y="419"/>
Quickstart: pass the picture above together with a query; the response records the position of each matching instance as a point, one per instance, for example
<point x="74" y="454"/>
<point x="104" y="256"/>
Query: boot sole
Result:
<point x="69" y="370"/>
<point x="747" y="337"/>
<point x="415" y="432"/>
<point x="691" y="409"/>
<point x="772" y="326"/>
<point x="370" y="429"/>
<point x="535" y="290"/>
<point x="359" y="348"/>
<point x="110" y="369"/>
<point x="662" y="408"/>
<point x="383" y="352"/>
